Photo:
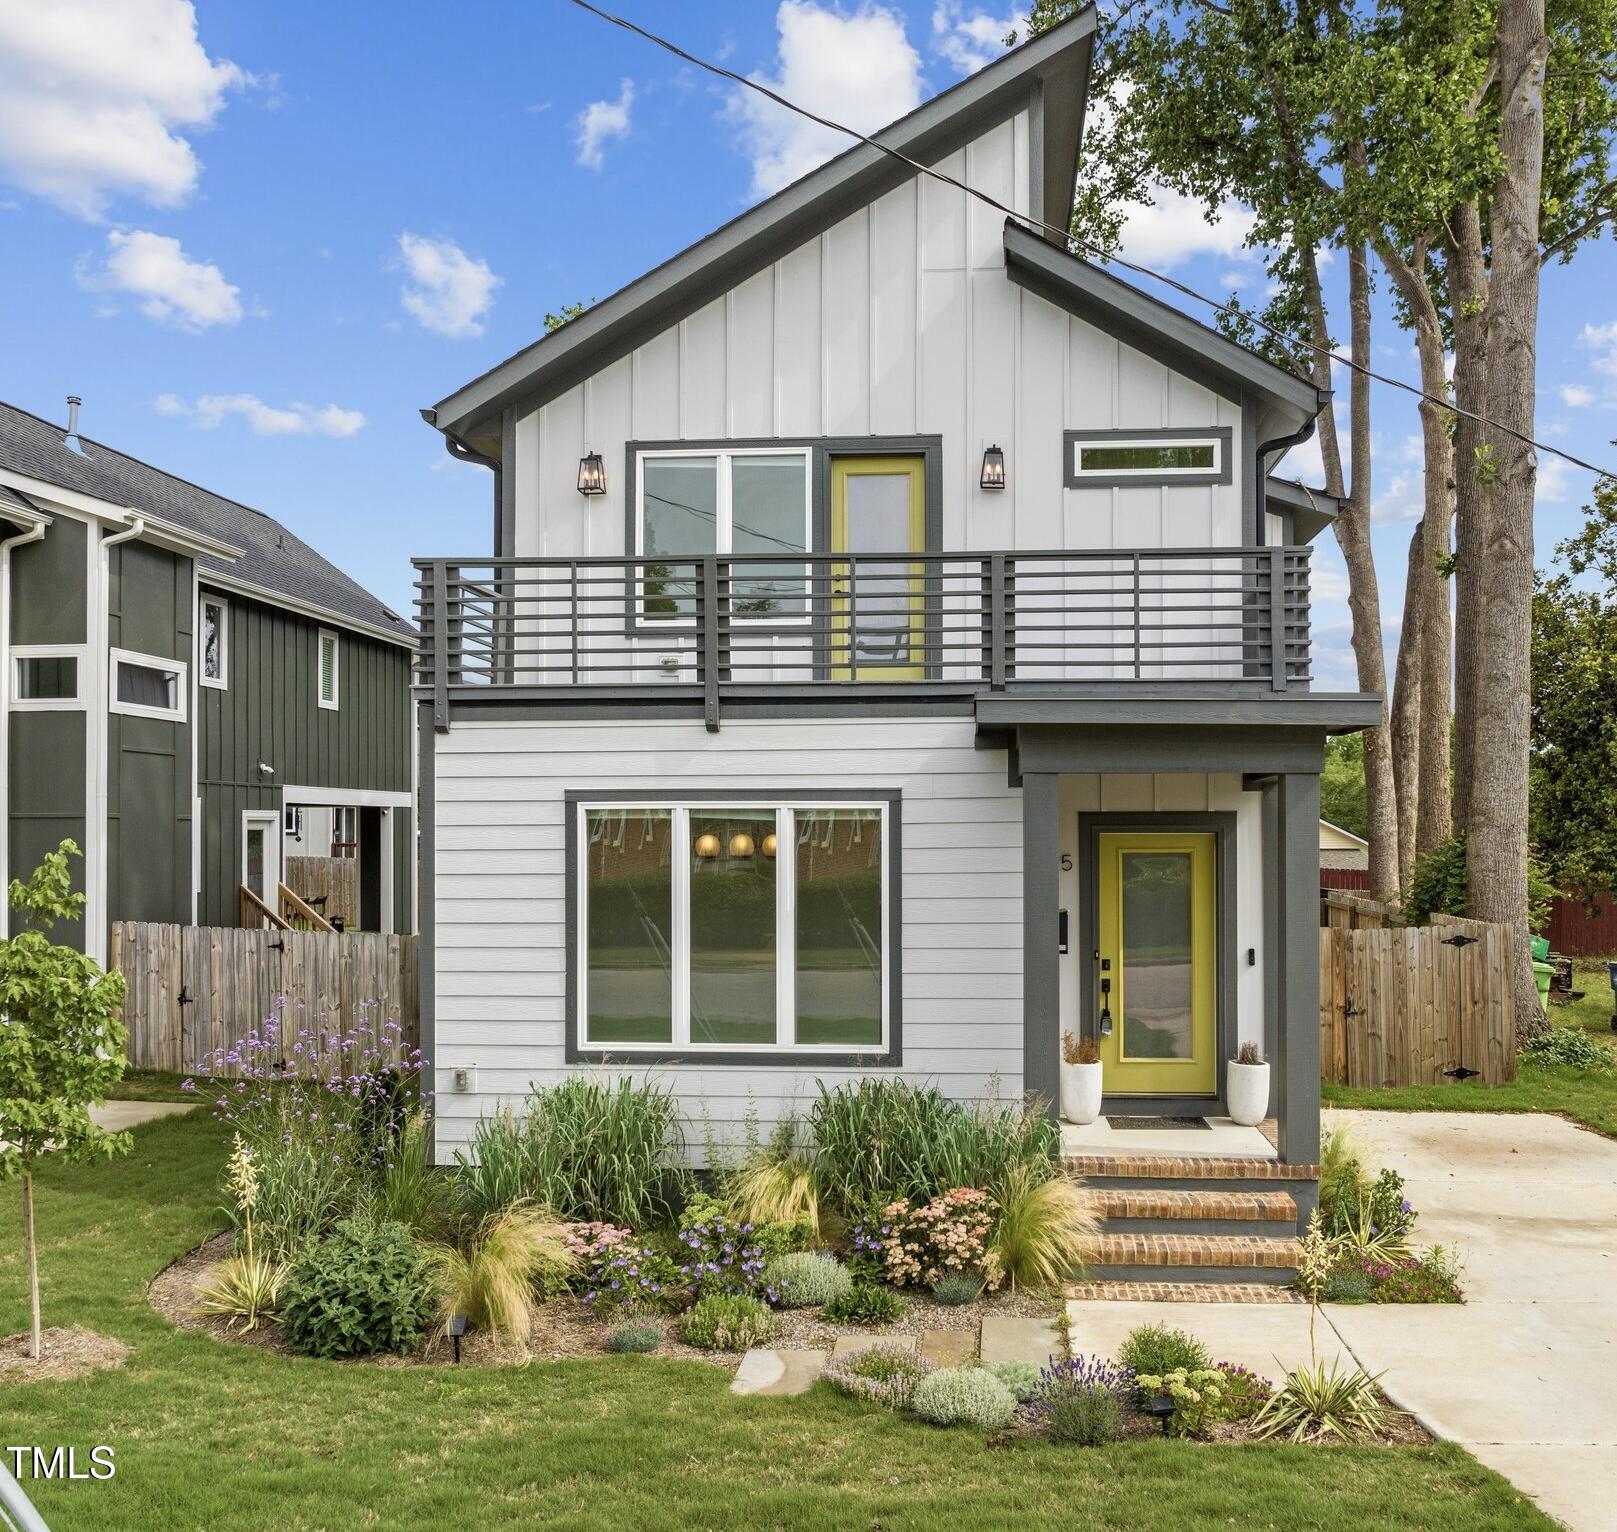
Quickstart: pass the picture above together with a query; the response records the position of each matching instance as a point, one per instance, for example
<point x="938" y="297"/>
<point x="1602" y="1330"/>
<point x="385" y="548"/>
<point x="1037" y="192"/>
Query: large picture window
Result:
<point x="742" y="501"/>
<point x="733" y="926"/>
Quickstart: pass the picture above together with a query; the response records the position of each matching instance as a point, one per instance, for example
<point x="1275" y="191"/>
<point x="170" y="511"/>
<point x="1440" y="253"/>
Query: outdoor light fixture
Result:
<point x="706" y="847"/>
<point x="770" y="843"/>
<point x="741" y="846"/>
<point x="993" y="469"/>
<point x="1160" y="1407"/>
<point x="591" y="474"/>
<point x="456" y="1328"/>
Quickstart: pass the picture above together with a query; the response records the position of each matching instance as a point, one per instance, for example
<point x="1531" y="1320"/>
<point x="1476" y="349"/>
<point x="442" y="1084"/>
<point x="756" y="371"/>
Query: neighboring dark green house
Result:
<point x="194" y="695"/>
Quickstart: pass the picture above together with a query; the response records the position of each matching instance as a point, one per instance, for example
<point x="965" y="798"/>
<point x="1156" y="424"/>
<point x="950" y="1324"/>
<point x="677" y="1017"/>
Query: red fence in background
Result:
<point x="1572" y="931"/>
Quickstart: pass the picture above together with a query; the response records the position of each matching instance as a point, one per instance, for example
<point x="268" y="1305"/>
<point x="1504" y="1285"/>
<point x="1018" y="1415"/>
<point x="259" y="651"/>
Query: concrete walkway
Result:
<point x="1524" y="1374"/>
<point x="114" y="1116"/>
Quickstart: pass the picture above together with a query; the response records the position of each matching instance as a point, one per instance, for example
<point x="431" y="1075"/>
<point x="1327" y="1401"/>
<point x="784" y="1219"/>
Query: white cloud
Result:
<point x="448" y="291"/>
<point x="1602" y="340"/>
<point x="168" y="285"/>
<point x="1400" y="498"/>
<point x="857" y="69"/>
<point x="1554" y="481"/>
<point x="93" y="98"/>
<point x="969" y="42"/>
<point x="601" y="120"/>
<point x="1576" y="397"/>
<point x="294" y="419"/>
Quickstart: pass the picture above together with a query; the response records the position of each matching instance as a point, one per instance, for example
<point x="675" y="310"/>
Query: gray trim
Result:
<point x="1164" y="332"/>
<point x="1310" y="510"/>
<point x="1035" y="152"/>
<point x="427" y="902"/>
<point x="1188" y="703"/>
<point x="1223" y="474"/>
<point x="1185" y="748"/>
<point x="759" y="236"/>
<point x="1296" y="1066"/>
<point x="505" y="488"/>
<point x="576" y="1052"/>
<point x="1041" y="955"/>
<point x="1222" y="826"/>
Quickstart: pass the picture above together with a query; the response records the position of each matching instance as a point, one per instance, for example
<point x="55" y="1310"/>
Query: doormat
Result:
<point x="1157" y="1122"/>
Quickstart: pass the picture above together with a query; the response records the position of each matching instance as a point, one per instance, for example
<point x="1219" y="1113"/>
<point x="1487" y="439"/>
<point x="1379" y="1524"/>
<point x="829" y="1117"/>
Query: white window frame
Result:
<point x="1127" y="443"/>
<point x="292" y="820"/>
<point x="680" y="811"/>
<point x="78" y="653"/>
<point x="724" y="527"/>
<point x="220" y="682"/>
<point x="274" y="857"/>
<point x="334" y="701"/>
<point x="177" y="668"/>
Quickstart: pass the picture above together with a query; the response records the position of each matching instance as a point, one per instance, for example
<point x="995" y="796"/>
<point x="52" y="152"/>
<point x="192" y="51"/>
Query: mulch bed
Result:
<point x="803" y="1329"/>
<point x="63" y="1354"/>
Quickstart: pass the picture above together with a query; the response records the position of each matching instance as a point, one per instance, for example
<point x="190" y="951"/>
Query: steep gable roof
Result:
<point x="1049" y="72"/>
<point x="271" y="558"/>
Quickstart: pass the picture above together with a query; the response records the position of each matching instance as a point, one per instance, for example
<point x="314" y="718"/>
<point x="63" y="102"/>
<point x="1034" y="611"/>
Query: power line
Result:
<point x="1090" y="249"/>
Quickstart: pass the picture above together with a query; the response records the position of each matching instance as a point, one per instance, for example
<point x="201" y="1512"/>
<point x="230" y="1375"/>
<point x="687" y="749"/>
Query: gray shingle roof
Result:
<point x="271" y="556"/>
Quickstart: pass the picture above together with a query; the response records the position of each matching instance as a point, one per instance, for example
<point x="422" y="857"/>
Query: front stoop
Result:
<point x="1182" y="1292"/>
<point x="1193" y="1258"/>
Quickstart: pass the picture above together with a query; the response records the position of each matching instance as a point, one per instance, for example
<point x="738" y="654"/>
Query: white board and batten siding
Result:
<point x="897" y="321"/>
<point x="500" y="900"/>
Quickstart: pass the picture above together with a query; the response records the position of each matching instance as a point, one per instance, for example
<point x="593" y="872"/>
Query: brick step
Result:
<point x="1243" y="1257"/>
<point x="1169" y="1210"/>
<point x="1181" y="1292"/>
<point x="1145" y="1168"/>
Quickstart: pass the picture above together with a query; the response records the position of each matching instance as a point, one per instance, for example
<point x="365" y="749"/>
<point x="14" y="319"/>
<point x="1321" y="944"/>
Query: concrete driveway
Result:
<point x="1524" y="1374"/>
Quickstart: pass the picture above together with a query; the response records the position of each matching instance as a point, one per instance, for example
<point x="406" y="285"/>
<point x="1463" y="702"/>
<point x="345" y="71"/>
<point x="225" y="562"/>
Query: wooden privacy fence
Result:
<point x="1413" y="1005"/>
<point x="329" y="883"/>
<point x="196" y="988"/>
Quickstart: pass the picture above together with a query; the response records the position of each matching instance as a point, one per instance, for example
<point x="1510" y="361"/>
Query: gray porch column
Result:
<point x="1295" y="858"/>
<point x="1041" y="963"/>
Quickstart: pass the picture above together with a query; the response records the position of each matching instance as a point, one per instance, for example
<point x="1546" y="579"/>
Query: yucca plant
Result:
<point x="1319" y="1400"/>
<point x="490" y="1275"/>
<point x="244" y="1289"/>
<point x="1044" y="1225"/>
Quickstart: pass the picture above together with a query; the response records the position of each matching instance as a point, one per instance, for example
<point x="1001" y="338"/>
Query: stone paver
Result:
<point x="115" y="1116"/>
<point x="1267" y="1337"/>
<point x="847" y="1343"/>
<point x="775" y="1374"/>
<point x="1015" y="1338"/>
<point x="948" y="1348"/>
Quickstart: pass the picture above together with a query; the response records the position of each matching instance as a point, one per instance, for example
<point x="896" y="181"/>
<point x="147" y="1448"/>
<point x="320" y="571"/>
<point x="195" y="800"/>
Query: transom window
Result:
<point x="733" y="501"/>
<point x="1160" y="457"/>
<point x="147" y="686"/>
<point x="733" y="927"/>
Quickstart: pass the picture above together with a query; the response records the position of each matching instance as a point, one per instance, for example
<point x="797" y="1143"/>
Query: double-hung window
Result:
<point x="737" y="926"/>
<point x="751" y="503"/>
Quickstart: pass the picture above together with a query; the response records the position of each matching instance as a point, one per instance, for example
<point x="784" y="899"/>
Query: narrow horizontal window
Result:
<point x="46" y="678"/>
<point x="740" y="927"/>
<point x="1178" y="457"/>
<point x="1118" y="458"/>
<point x="147" y="686"/>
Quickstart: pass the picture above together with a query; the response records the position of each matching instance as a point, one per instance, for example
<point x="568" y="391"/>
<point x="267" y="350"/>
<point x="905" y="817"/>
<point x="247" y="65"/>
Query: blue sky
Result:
<point x="258" y="238"/>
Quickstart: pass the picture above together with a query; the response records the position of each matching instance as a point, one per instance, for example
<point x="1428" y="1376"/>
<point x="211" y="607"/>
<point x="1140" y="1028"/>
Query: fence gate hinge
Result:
<point x="1459" y="941"/>
<point x="276" y="946"/>
<point x="186" y="998"/>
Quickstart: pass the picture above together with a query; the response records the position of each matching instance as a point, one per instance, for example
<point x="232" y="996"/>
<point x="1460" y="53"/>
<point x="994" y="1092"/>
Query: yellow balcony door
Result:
<point x="878" y="616"/>
<point x="1158" y="921"/>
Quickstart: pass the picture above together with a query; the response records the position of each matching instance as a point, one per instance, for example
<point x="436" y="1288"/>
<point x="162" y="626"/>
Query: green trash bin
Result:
<point x="1541" y="948"/>
<point x="1541" y="977"/>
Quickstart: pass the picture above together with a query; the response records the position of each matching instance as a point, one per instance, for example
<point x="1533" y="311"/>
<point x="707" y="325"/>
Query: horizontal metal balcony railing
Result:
<point x="970" y="621"/>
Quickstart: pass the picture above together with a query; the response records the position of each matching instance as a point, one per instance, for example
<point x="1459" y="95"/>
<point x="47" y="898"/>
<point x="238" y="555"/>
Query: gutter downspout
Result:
<point x="32" y="535"/>
<point x="1278" y="444"/>
<point x="462" y="452"/>
<point x="95" y="913"/>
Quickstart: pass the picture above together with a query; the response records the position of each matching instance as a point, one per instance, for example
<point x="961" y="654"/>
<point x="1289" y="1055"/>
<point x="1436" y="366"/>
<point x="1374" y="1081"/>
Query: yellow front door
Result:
<point x="878" y="621"/>
<point x="1158" y="950"/>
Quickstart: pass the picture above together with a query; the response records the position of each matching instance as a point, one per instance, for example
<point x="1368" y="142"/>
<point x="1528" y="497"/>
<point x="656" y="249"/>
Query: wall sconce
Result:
<point x="741" y="846"/>
<point x="993" y="476"/>
<point x="769" y="844"/>
<point x="591" y="474"/>
<point x="706" y="847"/>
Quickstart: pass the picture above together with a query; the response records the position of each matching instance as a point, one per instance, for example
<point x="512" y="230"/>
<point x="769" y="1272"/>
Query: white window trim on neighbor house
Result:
<point x="332" y="699"/>
<point x="221" y="681"/>
<point x="724" y="519"/>
<point x="117" y="658"/>
<point x="78" y="653"/>
<point x="785" y="809"/>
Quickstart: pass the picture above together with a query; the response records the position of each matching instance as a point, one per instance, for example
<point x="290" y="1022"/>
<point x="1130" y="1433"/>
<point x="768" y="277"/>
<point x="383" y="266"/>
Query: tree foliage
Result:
<point x="1341" y="784"/>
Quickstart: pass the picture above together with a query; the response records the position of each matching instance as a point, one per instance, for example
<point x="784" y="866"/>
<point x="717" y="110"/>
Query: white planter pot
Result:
<point x="1080" y="1092"/>
<point x="1246" y="1091"/>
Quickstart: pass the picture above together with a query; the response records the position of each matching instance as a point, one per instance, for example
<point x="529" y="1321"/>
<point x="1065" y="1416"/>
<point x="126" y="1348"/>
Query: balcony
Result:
<point x="717" y="628"/>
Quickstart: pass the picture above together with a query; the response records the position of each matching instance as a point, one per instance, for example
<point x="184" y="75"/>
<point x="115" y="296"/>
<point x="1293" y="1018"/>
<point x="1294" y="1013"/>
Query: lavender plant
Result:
<point x="1082" y="1400"/>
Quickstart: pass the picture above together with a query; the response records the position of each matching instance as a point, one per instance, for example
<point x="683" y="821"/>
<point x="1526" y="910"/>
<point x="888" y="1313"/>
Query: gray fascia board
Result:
<point x="1123" y="310"/>
<point x="746" y="244"/>
<point x="1332" y="711"/>
<point x="1312" y="510"/>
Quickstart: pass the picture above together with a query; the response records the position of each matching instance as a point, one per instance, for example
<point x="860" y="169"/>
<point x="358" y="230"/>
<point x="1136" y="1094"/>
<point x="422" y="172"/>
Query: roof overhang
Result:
<point x="1050" y="72"/>
<point x="1334" y="712"/>
<point x="404" y="635"/>
<point x="157" y="529"/>
<point x="1286" y="402"/>
<point x="1311" y="510"/>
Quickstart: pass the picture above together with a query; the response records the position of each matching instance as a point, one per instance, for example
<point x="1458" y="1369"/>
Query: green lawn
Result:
<point x="149" y="1085"/>
<point x="1584" y="1097"/>
<point x="221" y="1437"/>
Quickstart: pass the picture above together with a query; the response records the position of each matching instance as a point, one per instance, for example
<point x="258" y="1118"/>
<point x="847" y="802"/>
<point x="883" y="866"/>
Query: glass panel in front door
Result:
<point x="878" y="506"/>
<point x="1156" y="958"/>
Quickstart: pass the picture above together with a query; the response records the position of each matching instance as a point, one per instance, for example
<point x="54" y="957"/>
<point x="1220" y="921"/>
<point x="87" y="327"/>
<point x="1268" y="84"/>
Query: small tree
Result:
<point x="61" y="1045"/>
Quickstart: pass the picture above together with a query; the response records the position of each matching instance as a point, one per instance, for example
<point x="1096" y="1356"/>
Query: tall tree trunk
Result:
<point x="1497" y="833"/>
<point x="1434" y="821"/>
<point x="1406" y="708"/>
<point x="1468" y="295"/>
<point x="33" y="1264"/>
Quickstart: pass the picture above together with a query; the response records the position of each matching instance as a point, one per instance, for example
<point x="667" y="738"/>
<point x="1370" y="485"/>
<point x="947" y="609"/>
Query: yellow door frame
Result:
<point x="1147" y="1075"/>
<point x="912" y="467"/>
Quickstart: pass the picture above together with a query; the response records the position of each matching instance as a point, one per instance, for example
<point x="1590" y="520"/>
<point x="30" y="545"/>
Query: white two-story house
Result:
<point x="894" y="653"/>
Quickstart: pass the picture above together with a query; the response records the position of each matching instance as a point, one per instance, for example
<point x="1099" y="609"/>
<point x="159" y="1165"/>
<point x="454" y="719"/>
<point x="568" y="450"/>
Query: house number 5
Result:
<point x="1066" y="862"/>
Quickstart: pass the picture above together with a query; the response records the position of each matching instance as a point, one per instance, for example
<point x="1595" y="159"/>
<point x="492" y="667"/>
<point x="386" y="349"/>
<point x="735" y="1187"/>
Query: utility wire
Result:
<point x="1090" y="249"/>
